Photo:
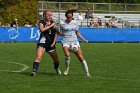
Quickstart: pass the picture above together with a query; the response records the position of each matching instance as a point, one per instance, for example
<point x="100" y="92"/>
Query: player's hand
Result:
<point x="52" y="45"/>
<point x="86" y="41"/>
<point x="52" y="24"/>
<point x="55" y="26"/>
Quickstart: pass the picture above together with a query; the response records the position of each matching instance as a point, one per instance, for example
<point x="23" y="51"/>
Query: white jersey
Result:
<point x="68" y="30"/>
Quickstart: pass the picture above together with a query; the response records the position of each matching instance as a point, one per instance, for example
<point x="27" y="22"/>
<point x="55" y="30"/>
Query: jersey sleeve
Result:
<point x="41" y="22"/>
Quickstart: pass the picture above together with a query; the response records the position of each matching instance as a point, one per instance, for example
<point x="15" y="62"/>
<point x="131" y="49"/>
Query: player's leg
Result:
<point x="82" y="60"/>
<point x="67" y="58"/>
<point x="39" y="53"/>
<point x="55" y="58"/>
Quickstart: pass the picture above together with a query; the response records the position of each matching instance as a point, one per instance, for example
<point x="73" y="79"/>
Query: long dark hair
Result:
<point x="69" y="12"/>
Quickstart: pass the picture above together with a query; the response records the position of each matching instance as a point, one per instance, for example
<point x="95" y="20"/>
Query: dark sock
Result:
<point x="56" y="65"/>
<point x="35" y="66"/>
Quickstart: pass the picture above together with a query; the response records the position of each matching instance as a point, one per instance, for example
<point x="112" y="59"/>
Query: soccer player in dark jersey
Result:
<point x="48" y="36"/>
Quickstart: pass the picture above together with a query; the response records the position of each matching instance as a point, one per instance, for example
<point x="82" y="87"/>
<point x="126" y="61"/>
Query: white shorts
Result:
<point x="68" y="44"/>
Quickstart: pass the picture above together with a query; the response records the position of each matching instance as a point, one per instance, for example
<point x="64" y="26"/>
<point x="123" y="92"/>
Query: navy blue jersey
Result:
<point x="48" y="34"/>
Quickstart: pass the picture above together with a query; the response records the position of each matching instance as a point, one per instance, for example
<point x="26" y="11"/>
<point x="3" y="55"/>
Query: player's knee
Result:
<point x="38" y="58"/>
<point x="67" y="55"/>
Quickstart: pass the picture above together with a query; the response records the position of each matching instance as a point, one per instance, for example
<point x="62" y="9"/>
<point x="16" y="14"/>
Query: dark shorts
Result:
<point x="46" y="46"/>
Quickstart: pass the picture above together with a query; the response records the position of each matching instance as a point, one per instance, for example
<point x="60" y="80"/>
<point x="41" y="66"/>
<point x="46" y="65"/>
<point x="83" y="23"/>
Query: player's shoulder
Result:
<point x="42" y="22"/>
<point x="74" y="21"/>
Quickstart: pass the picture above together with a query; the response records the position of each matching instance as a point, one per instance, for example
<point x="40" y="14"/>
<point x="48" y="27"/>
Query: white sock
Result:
<point x="67" y="61"/>
<point x="84" y="63"/>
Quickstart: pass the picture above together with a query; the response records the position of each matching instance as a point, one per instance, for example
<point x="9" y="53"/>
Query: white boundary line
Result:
<point x="17" y="71"/>
<point x="96" y="77"/>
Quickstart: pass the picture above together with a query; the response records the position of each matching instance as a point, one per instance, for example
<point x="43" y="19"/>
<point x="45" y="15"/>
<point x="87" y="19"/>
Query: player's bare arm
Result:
<point x="81" y="37"/>
<point x="42" y="28"/>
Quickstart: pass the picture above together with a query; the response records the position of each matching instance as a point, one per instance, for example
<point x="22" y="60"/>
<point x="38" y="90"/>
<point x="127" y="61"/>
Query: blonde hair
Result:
<point x="46" y="11"/>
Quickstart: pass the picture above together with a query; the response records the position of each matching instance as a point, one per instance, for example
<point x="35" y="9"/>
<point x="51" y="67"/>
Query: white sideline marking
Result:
<point x="23" y="69"/>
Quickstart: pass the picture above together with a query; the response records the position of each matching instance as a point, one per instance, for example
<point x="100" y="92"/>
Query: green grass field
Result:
<point x="115" y="68"/>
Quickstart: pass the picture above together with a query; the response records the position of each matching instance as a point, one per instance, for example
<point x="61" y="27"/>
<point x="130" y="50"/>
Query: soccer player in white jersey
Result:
<point x="69" y="33"/>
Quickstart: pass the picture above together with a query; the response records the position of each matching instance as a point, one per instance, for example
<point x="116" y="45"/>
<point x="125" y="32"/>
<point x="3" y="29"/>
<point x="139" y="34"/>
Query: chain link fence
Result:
<point x="125" y="15"/>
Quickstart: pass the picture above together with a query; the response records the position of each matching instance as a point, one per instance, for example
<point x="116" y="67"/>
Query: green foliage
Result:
<point x="25" y="10"/>
<point x="86" y="6"/>
<point x="8" y="3"/>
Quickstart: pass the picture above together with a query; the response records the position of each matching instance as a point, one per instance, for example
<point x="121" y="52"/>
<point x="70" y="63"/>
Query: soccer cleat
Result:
<point x="58" y="71"/>
<point x="88" y="74"/>
<point x="33" y="74"/>
<point x="66" y="71"/>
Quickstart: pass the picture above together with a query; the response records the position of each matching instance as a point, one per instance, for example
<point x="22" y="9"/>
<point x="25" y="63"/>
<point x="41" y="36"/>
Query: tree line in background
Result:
<point x="23" y="10"/>
<point x="26" y="10"/>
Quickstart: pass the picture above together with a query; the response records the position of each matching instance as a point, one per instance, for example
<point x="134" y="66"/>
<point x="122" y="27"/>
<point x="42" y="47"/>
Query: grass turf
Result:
<point x="114" y="68"/>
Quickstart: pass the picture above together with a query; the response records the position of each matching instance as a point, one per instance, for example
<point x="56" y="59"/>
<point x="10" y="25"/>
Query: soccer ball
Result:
<point x="74" y="47"/>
